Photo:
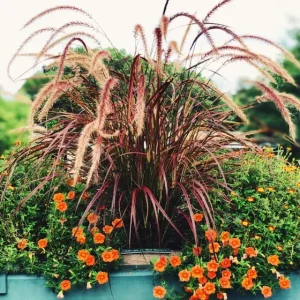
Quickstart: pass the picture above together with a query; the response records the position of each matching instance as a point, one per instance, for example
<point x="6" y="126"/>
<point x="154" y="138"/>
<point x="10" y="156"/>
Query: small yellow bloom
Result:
<point x="2" y="157"/>
<point x="270" y="155"/>
<point x="250" y="199"/>
<point x="17" y="143"/>
<point x="271" y="228"/>
<point x="268" y="149"/>
<point x="260" y="190"/>
<point x="292" y="191"/>
<point x="271" y="189"/>
<point x="289" y="149"/>
<point x="233" y="194"/>
<point x="245" y="223"/>
<point x="286" y="206"/>
<point x="257" y="237"/>
<point x="10" y="187"/>
<point x="280" y="248"/>
<point x="298" y="184"/>
<point x="291" y="263"/>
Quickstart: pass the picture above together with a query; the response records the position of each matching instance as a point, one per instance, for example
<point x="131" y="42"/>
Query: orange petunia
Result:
<point x="220" y="296"/>
<point x="211" y="274"/>
<point x="115" y="254"/>
<point x="252" y="273"/>
<point x="71" y="195"/>
<point x="22" y="244"/>
<point x="266" y="291"/>
<point x="108" y="229"/>
<point x="81" y="239"/>
<point x="284" y="283"/>
<point x="92" y="218"/>
<point x="159" y="292"/>
<point x="225" y="283"/>
<point x="83" y="255"/>
<point x="212" y="266"/>
<point x="85" y="196"/>
<point x="197" y="271"/>
<point x="225" y="263"/>
<point x="184" y="275"/>
<point x="235" y="243"/>
<point x="202" y="280"/>
<point x="65" y="285"/>
<point x="77" y="231"/>
<point x="71" y="182"/>
<point x="61" y="206"/>
<point x="251" y="199"/>
<point x="117" y="223"/>
<point x="163" y="259"/>
<point x="159" y="266"/>
<point x="90" y="261"/>
<point x="273" y="260"/>
<point x="209" y="288"/>
<point x="200" y="294"/>
<point x="175" y="261"/>
<point x="251" y="252"/>
<point x="247" y="283"/>
<point x="107" y="256"/>
<point x="211" y="234"/>
<point x="99" y="238"/>
<point x="102" y="277"/>
<point x="235" y="251"/>
<point x="194" y="297"/>
<point x="197" y="250"/>
<point x="58" y="197"/>
<point x="42" y="243"/>
<point x="198" y="217"/>
<point x="226" y="274"/>
<point x="94" y="230"/>
<point x="225" y="237"/>
<point x="214" y="247"/>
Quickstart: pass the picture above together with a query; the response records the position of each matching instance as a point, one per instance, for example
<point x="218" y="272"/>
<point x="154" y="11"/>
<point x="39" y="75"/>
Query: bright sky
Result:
<point x="268" y="18"/>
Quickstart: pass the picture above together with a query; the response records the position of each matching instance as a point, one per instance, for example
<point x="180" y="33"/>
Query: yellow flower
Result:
<point x="2" y="157"/>
<point x="298" y="184"/>
<point x="289" y="149"/>
<point x="257" y="237"/>
<point x="10" y="187"/>
<point x="271" y="189"/>
<point x="271" y="228"/>
<point x="245" y="223"/>
<point x="292" y="191"/>
<point x="270" y="155"/>
<point x="280" y="248"/>
<point x="286" y="206"/>
<point x="260" y="189"/>
<point x="250" y="199"/>
<point x="268" y="149"/>
<point x="233" y="194"/>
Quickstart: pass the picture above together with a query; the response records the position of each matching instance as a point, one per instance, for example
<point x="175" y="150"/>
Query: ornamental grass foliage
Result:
<point x="141" y="139"/>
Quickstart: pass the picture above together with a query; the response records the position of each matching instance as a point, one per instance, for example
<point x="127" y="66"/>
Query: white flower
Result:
<point x="60" y="295"/>
<point x="88" y="285"/>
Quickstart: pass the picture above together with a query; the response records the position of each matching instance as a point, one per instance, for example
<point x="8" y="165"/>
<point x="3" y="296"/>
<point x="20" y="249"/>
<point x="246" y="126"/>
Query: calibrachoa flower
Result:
<point x="245" y="223"/>
<point x="214" y="247"/>
<point x="260" y="190"/>
<point x="65" y="285"/>
<point x="71" y="195"/>
<point x="197" y="250"/>
<point x="42" y="243"/>
<point x="22" y="244"/>
<point x="99" y="238"/>
<point x="247" y="283"/>
<point x="200" y="294"/>
<point x="77" y="231"/>
<point x="198" y="217"/>
<point x="184" y="275"/>
<point x="175" y="261"/>
<point x="202" y="280"/>
<point x="197" y="271"/>
<point x="92" y="218"/>
<point x="159" y="292"/>
<point x="107" y="256"/>
<point x="108" y="229"/>
<point x="61" y="206"/>
<point x="159" y="266"/>
<point x="220" y="296"/>
<point x="235" y="243"/>
<point x="90" y="261"/>
<point x="102" y="277"/>
<point x="211" y="234"/>
<point x="225" y="283"/>
<point x="284" y="283"/>
<point x="211" y="274"/>
<point x="81" y="239"/>
<point x="94" y="230"/>
<point x="226" y="274"/>
<point x="225" y="237"/>
<point x="115" y="254"/>
<point x="225" y="263"/>
<point x="85" y="196"/>
<point x="83" y="255"/>
<point x="292" y="191"/>
<point x="271" y="228"/>
<point x="266" y="291"/>
<point x="212" y="266"/>
<point x="117" y="223"/>
<point x="251" y="199"/>
<point x="252" y="273"/>
<point x="273" y="260"/>
<point x="209" y="288"/>
<point x="251" y="252"/>
<point x="59" y="197"/>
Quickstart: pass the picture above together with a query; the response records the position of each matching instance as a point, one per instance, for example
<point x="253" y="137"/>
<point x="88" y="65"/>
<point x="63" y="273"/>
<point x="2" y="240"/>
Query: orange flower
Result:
<point x="212" y="266"/>
<point x="108" y="229"/>
<point x="22" y="244"/>
<point x="250" y="199"/>
<point x="211" y="274"/>
<point x="209" y="288"/>
<point x="211" y="234"/>
<point x="251" y="252"/>
<point x="94" y="230"/>
<point x="271" y="228"/>
<point x="115" y="254"/>
<point x="99" y="238"/>
<point x="184" y="275"/>
<point x="71" y="182"/>
<point x="58" y="197"/>
<point x="214" y="246"/>
<point x="159" y="292"/>
<point x="102" y="277"/>
<point x="257" y="237"/>
<point x="252" y="273"/>
<point x="175" y="261"/>
<point x="247" y="283"/>
<point x="80" y="239"/>
<point x="225" y="263"/>
<point x="61" y="206"/>
<point x="197" y="271"/>
<point x="271" y="189"/>
<point x="292" y="191"/>
<point x="65" y="285"/>
<point x="188" y="289"/>
<point x="298" y="184"/>
<point x="107" y="256"/>
<point x="226" y="274"/>
<point x="85" y="196"/>
<point x="273" y="260"/>
<point x="225" y="236"/>
<point x="163" y="259"/>
<point x="118" y="223"/>
<point x="42" y="243"/>
<point x="235" y="243"/>
<point x="197" y="250"/>
<point x="62" y="221"/>
<point x="245" y="223"/>
<point x="260" y="190"/>
<point x="194" y="297"/>
<point x="220" y="296"/>
<point x="90" y="261"/>
<point x="92" y="218"/>
<point x="198" y="217"/>
<point x="77" y="231"/>
<point x="71" y="195"/>
<point x="200" y="294"/>
<point x="279" y="248"/>
<point x="225" y="283"/>
<point x="83" y="255"/>
<point x="235" y="251"/>
<point x="159" y="266"/>
<point x="266" y="291"/>
<point x="202" y="280"/>
<point x="284" y="283"/>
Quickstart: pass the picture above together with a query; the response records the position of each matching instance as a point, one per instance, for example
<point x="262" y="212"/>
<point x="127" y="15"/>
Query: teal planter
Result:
<point x="125" y="285"/>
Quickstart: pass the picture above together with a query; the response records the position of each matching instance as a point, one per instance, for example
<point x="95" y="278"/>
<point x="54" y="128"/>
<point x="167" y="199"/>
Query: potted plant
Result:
<point x="128" y="150"/>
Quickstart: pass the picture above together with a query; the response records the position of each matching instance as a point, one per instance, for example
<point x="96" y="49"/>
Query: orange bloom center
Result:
<point x="65" y="285"/>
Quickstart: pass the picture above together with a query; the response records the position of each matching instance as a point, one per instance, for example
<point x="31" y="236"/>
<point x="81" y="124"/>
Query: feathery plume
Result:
<point x="164" y="22"/>
<point x="96" y="158"/>
<point x="138" y="30"/>
<point x="158" y="38"/>
<point x="140" y="106"/>
<point x="99" y="55"/>
<point x="212" y="11"/>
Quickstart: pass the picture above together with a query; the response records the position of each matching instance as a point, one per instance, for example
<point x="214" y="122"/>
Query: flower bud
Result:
<point x="60" y="295"/>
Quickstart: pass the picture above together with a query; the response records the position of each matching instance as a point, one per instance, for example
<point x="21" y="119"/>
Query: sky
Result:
<point x="268" y="18"/>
